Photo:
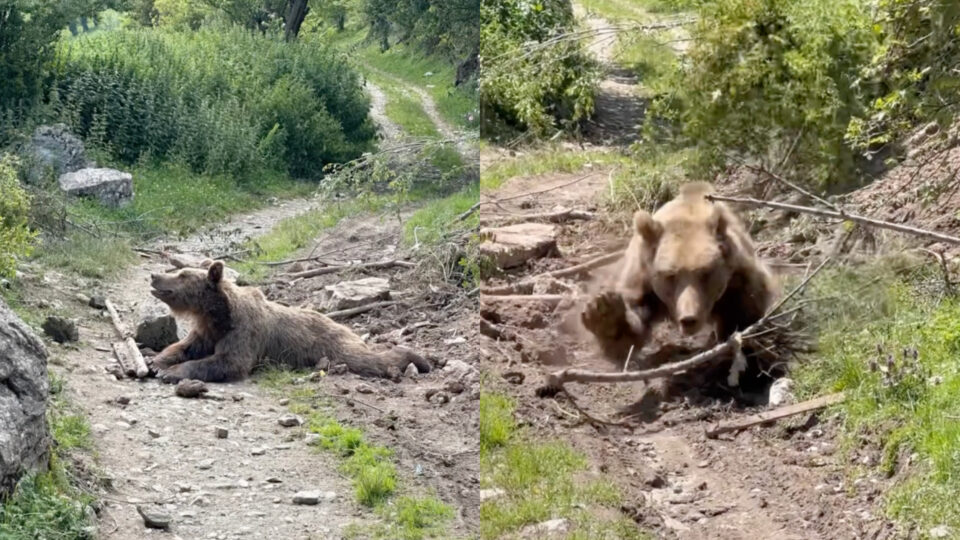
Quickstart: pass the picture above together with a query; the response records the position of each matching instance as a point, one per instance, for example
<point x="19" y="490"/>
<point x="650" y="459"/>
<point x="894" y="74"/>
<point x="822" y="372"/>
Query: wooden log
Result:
<point x="135" y="358"/>
<point x="552" y="299"/>
<point x="126" y="366"/>
<point x="776" y="414"/>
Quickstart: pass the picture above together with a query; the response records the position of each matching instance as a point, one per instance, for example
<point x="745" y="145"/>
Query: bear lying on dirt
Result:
<point x="236" y="328"/>
<point x="692" y="262"/>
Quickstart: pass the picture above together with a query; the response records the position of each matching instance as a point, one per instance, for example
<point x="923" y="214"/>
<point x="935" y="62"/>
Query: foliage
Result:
<point x="16" y="238"/>
<point x="769" y="79"/>
<point x="913" y="76"/>
<point x="897" y="404"/>
<point x="447" y="28"/>
<point x="49" y="505"/>
<point x="224" y="101"/>
<point x="525" y="84"/>
<point x="541" y="481"/>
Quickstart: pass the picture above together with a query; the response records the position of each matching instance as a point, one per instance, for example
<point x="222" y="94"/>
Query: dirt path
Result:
<point x="786" y="482"/>
<point x="446" y="130"/>
<point x="378" y="111"/>
<point x="162" y="452"/>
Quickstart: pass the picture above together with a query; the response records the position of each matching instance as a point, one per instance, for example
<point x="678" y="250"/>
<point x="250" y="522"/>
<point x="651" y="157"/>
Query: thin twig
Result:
<point x="915" y="231"/>
<point x="527" y="284"/>
<point x="345" y="313"/>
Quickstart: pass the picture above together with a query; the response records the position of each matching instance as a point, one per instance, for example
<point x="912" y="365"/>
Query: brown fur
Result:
<point x="237" y="328"/>
<point x="692" y="262"/>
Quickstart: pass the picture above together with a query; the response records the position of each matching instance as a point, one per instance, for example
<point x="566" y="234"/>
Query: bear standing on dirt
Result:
<point x="235" y="328"/>
<point x="692" y="262"/>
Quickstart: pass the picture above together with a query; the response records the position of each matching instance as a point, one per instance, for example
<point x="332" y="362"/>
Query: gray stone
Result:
<point x="940" y="531"/>
<point x="53" y="151"/>
<point x="349" y="294"/>
<point x="110" y="186"/>
<point x="514" y="245"/>
<point x="154" y="519"/>
<point x="546" y="529"/>
<point x="24" y="437"/>
<point x="290" y="420"/>
<point x="313" y="497"/>
<point x="221" y="432"/>
<point x="98" y="301"/>
<point x="156" y="326"/>
<point x="780" y="392"/>
<point x="411" y="371"/>
<point x="60" y="329"/>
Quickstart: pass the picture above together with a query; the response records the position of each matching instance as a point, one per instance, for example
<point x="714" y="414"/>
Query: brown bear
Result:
<point x="236" y="328"/>
<point x="691" y="262"/>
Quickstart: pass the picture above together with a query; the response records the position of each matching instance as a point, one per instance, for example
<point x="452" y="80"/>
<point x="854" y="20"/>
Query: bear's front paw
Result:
<point x="605" y="315"/>
<point x="159" y="363"/>
<point x="171" y="375"/>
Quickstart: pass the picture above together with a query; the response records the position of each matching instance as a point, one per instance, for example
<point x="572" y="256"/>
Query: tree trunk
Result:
<point x="296" y="12"/>
<point x="73" y="27"/>
<point x="83" y="23"/>
<point x="341" y="22"/>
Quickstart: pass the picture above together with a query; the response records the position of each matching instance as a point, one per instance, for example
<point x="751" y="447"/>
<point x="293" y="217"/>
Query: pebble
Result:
<point x="284" y="402"/>
<point x="153" y="433"/>
<point x="123" y="400"/>
<point x="258" y="451"/>
<point x="221" y="432"/>
<point x="290" y="420"/>
<point x="940" y="531"/>
<point x="307" y="497"/>
<point x="364" y="388"/>
<point x="154" y="520"/>
<point x="205" y="464"/>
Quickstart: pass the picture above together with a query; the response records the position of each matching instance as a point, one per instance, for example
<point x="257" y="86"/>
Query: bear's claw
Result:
<point x="605" y="315"/>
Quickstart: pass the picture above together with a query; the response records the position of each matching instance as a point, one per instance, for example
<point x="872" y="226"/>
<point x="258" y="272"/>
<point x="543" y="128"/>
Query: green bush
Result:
<point x="774" y="78"/>
<point x="527" y="84"/>
<point x="218" y="100"/>
<point x="16" y="238"/>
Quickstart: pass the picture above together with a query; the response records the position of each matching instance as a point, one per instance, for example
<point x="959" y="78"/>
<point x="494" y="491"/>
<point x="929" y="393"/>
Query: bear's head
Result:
<point x="190" y="291"/>
<point x="688" y="255"/>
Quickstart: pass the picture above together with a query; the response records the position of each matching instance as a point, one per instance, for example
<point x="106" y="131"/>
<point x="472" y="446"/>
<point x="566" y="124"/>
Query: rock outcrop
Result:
<point x="109" y="186"/>
<point x="24" y="436"/>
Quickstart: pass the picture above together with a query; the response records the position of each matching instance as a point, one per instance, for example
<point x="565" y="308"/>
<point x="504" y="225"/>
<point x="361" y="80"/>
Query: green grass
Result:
<point x="617" y="10"/>
<point x="457" y="106"/>
<point x="910" y="413"/>
<point x="404" y="108"/>
<point x="559" y="160"/>
<point x="47" y="504"/>
<point x="169" y="200"/>
<point x="654" y="62"/>
<point x="369" y="467"/>
<point x="430" y="223"/>
<point x="541" y="481"/>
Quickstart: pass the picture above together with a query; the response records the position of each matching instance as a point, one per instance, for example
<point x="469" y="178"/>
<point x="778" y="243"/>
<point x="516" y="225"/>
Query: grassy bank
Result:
<point x="536" y="481"/>
<point x="50" y="504"/>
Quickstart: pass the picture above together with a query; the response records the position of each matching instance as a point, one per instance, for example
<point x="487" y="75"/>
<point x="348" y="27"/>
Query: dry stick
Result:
<point x="139" y="365"/>
<point x="557" y="379"/>
<point x="552" y="299"/>
<point x="126" y="367"/>
<point x="549" y="217"/>
<point x="333" y="269"/>
<point x="603" y="260"/>
<point x="344" y="313"/>
<point x="922" y="233"/>
<point x="776" y="414"/>
<point x="469" y="212"/>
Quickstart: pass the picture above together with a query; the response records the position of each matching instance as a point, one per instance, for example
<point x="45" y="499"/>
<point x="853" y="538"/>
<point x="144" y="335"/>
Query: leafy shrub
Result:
<point x="771" y="78"/>
<point x="526" y="83"/>
<point x="219" y="100"/>
<point x="16" y="239"/>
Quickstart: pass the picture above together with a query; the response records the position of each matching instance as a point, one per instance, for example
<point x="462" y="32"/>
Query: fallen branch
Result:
<point x="552" y="299"/>
<point x="344" y="267"/>
<point x="470" y="211"/>
<point x="776" y="414"/>
<point x="548" y="217"/>
<point x="527" y="284"/>
<point x="135" y="358"/>
<point x="126" y="366"/>
<point x="915" y="231"/>
<point x="556" y="380"/>
<point x="344" y="313"/>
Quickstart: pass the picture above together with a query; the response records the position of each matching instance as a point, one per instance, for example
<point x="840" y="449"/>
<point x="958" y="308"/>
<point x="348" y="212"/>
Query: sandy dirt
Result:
<point x="788" y="481"/>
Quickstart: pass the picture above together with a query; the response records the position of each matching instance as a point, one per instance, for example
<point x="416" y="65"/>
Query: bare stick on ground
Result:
<point x="526" y="286"/>
<point x="345" y="313"/>
<point x="776" y="414"/>
<point x="341" y="268"/>
<point x="880" y="224"/>
<point x="556" y="380"/>
<point x="548" y="217"/>
<point x="133" y="352"/>
<point x="552" y="299"/>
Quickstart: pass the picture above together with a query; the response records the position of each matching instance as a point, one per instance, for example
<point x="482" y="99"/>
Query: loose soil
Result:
<point x="787" y="481"/>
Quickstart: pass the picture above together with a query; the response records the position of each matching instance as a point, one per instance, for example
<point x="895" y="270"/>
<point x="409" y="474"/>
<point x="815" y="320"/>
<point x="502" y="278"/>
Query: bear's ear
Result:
<point x="647" y="227"/>
<point x="215" y="273"/>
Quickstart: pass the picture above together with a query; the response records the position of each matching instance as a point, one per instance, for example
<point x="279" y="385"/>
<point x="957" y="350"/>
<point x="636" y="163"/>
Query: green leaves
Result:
<point x="16" y="238"/>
